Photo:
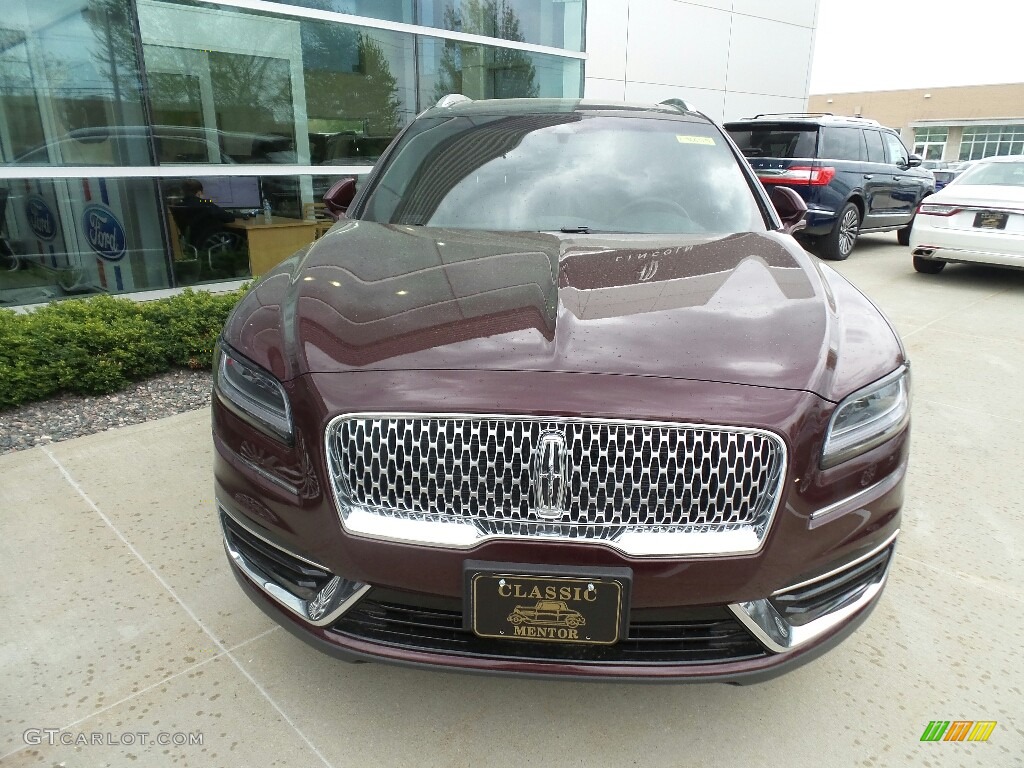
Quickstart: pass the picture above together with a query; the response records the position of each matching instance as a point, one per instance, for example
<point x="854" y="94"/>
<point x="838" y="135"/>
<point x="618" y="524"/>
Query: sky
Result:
<point x="882" y="45"/>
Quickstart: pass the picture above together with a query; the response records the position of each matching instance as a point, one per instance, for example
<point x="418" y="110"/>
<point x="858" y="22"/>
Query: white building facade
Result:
<point x="729" y="58"/>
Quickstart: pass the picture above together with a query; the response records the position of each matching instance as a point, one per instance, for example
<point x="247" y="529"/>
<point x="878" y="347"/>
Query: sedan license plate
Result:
<point x="562" y="607"/>
<point x="990" y="220"/>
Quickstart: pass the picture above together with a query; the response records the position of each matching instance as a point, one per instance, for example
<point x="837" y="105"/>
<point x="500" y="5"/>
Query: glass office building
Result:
<point x="108" y="106"/>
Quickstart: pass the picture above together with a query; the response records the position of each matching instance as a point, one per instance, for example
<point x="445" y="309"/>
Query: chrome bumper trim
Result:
<point x="969" y="255"/>
<point x="778" y="635"/>
<point x="336" y="597"/>
<point x="742" y="540"/>
<point x="859" y="499"/>
<point x="836" y="571"/>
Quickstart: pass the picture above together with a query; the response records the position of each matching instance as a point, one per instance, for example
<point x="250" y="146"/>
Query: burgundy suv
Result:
<point x="562" y="352"/>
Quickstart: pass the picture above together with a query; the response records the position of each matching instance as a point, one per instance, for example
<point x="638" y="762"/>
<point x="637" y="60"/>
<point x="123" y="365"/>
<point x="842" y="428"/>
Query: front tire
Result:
<point x="838" y="244"/>
<point x="928" y="266"/>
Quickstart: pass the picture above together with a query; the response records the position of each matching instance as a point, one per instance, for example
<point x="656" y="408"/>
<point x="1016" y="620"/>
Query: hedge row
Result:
<point x="98" y="345"/>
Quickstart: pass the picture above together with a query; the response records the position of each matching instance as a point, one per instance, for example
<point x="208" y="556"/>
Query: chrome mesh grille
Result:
<point x="621" y="475"/>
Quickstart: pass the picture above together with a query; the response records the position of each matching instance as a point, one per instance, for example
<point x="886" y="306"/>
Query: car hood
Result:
<point x="745" y="308"/>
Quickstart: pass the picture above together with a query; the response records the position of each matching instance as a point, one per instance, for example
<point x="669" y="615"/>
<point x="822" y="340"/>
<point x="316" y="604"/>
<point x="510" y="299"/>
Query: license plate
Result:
<point x="990" y="220"/>
<point x="548" y="605"/>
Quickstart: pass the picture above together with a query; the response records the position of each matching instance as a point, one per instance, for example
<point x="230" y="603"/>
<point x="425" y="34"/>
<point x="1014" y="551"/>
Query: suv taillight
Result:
<point x="934" y="209"/>
<point x="800" y="174"/>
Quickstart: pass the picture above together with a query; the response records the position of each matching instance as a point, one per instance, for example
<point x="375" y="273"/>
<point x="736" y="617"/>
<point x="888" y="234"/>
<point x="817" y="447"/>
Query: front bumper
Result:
<point x="738" y="643"/>
<point x="683" y="618"/>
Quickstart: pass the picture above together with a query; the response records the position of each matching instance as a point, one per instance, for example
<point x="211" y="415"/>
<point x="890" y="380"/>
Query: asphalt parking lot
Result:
<point x="123" y="624"/>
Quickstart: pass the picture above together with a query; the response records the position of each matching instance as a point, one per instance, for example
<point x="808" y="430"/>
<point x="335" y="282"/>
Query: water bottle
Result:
<point x="266" y="210"/>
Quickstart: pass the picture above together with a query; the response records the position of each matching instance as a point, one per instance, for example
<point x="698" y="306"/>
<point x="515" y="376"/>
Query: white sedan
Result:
<point x="978" y="217"/>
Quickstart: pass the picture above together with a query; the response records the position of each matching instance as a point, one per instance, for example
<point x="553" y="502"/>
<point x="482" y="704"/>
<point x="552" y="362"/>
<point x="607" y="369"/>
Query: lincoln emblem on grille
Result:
<point x="550" y="476"/>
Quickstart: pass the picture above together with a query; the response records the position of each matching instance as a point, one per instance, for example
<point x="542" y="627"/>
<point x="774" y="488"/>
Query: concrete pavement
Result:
<point x="121" y="621"/>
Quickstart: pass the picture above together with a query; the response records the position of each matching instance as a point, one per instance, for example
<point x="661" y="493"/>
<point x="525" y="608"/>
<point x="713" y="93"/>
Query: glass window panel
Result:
<point x="69" y="84"/>
<point x="486" y="72"/>
<point x="876" y="150"/>
<point x="931" y="134"/>
<point x="220" y="232"/>
<point x="387" y="10"/>
<point x="558" y="23"/>
<point x="70" y="238"/>
<point x="359" y="86"/>
<point x="76" y="237"/>
<point x="305" y="92"/>
<point x="987" y="141"/>
<point x="776" y="140"/>
<point x="21" y="127"/>
<point x="175" y="99"/>
<point x="842" y="144"/>
<point x="252" y="97"/>
<point x="896" y="151"/>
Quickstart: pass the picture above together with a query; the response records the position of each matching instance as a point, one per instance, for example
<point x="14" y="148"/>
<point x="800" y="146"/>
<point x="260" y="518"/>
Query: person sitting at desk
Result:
<point x="200" y="219"/>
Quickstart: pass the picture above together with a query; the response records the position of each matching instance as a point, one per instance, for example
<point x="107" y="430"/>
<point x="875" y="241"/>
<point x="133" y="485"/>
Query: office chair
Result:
<point x="201" y="233"/>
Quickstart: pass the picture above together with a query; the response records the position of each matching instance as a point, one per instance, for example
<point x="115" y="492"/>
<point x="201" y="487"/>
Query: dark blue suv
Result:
<point x="855" y="175"/>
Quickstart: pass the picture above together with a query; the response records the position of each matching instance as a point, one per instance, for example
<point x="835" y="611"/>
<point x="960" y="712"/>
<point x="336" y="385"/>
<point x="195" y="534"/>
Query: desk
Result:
<point x="270" y="244"/>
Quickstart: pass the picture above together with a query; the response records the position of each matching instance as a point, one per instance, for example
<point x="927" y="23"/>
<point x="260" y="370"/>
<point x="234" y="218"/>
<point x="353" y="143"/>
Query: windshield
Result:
<point x="565" y="172"/>
<point x="1000" y="174"/>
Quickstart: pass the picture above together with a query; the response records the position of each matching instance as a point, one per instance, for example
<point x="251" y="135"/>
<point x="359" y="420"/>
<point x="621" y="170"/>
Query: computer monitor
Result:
<point x="239" y="192"/>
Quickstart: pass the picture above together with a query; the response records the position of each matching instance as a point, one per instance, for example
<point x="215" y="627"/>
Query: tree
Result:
<point x="374" y="95"/>
<point x="348" y="78"/>
<point x="485" y="72"/>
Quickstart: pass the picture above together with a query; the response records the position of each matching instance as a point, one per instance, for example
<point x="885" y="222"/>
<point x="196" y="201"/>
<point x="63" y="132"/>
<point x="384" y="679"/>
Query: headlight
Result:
<point x="252" y="393"/>
<point x="868" y="418"/>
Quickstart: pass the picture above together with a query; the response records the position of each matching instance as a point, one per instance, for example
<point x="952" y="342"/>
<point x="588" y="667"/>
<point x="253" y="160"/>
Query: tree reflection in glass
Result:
<point x="484" y="72"/>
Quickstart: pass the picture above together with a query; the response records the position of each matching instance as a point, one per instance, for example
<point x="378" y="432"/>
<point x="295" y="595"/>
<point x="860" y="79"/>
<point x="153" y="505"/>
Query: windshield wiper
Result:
<point x="582" y="230"/>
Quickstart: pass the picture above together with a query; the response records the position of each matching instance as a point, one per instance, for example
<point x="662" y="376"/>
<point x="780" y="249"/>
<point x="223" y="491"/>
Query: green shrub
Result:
<point x="98" y="345"/>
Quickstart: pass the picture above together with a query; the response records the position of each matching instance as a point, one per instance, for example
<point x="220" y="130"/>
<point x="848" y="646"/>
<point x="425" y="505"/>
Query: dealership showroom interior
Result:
<point x="511" y="382"/>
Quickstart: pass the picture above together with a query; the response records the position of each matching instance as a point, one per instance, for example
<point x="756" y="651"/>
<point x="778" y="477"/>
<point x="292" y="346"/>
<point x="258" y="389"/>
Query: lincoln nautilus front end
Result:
<point x="560" y="395"/>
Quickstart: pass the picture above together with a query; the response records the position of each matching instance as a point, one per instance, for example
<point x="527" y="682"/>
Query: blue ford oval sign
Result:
<point x="104" y="232"/>
<point x="41" y="220"/>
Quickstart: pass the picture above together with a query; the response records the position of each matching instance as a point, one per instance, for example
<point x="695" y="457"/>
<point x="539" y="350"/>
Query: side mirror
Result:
<point x="915" y="160"/>
<point x="339" y="198"/>
<point x="791" y="209"/>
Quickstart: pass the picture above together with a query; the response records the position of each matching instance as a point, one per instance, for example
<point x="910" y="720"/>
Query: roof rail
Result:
<point x="794" y="114"/>
<point x="451" y="100"/>
<point x="683" y="106"/>
<point x="864" y="120"/>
